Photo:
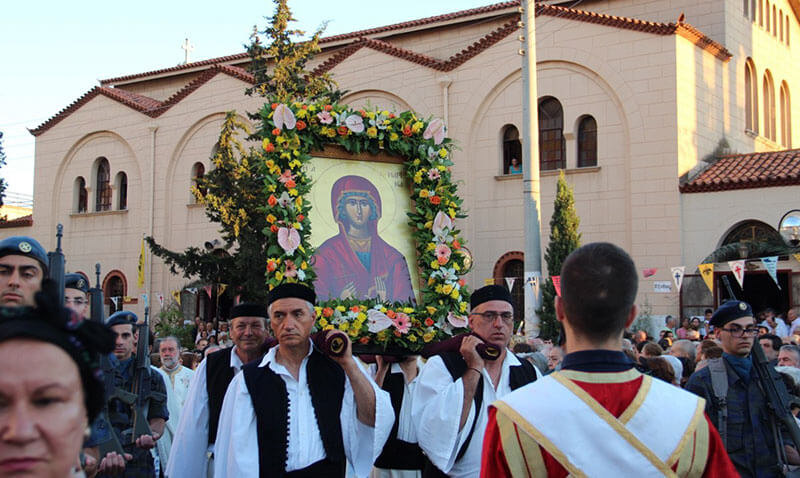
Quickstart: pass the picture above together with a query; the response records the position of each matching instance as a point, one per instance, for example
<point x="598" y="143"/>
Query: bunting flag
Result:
<point x="557" y="284"/>
<point x="649" y="272"/>
<point x="144" y="299"/>
<point x="510" y="282"/>
<point x="488" y="281"/>
<point x="140" y="267"/>
<point x="192" y="290"/>
<point x="737" y="267"/>
<point x="115" y="300"/>
<point x="707" y="271"/>
<point x="208" y="290"/>
<point x="221" y="289"/>
<point x="176" y="294"/>
<point x="796" y="257"/>
<point x="771" y="265"/>
<point x="677" y="276"/>
<point x="161" y="299"/>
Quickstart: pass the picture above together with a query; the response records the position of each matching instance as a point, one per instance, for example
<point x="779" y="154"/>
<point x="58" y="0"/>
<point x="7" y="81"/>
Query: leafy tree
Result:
<point x="170" y="322"/>
<point x="564" y="238"/>
<point x="2" y="180"/>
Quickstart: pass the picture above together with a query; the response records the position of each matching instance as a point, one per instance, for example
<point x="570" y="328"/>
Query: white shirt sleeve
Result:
<point x="188" y="454"/>
<point x="436" y="411"/>
<point x="236" y="447"/>
<point x="362" y="443"/>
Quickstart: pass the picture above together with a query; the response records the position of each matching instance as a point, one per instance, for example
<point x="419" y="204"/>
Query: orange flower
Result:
<point x="407" y="130"/>
<point x="276" y="132"/>
<point x="274" y="105"/>
<point x="435" y="200"/>
<point x="327" y="312"/>
<point x="442" y="260"/>
<point x="272" y="200"/>
<point x="456" y="244"/>
<point x="364" y="340"/>
<point x="355" y="309"/>
<point x="273" y="228"/>
<point x="428" y="322"/>
<point x="461" y="282"/>
<point x="343" y="130"/>
<point x="328" y="107"/>
<point x="305" y="107"/>
<point x="397" y="333"/>
<point x="271" y="265"/>
<point x="269" y="147"/>
<point x="391" y="314"/>
<point x="300" y="218"/>
<point x="301" y="125"/>
<point x="290" y="184"/>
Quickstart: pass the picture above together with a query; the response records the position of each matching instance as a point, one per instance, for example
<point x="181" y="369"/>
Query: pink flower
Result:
<point x="442" y="224"/>
<point x="283" y="116"/>
<point x="286" y="176"/>
<point x="291" y="269"/>
<point x="288" y="239"/>
<point x="355" y="123"/>
<point x="433" y="174"/>
<point x="377" y="321"/>
<point x="442" y="253"/>
<point x="325" y="117"/>
<point x="402" y="323"/>
<point x="456" y="321"/>
<point x="435" y="130"/>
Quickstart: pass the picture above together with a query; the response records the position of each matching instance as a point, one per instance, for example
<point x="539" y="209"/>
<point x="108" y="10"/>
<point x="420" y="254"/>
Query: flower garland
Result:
<point x="290" y="134"/>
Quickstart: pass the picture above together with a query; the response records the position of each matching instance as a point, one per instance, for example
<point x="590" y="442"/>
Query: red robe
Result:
<point x="614" y="397"/>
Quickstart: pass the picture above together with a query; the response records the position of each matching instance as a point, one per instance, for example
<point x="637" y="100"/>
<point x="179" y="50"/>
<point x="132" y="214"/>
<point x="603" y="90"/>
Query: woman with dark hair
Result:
<point x="683" y="331"/>
<point x="50" y="387"/>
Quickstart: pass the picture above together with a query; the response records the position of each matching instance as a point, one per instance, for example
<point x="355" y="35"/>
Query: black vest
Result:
<point x="219" y="374"/>
<point x="271" y="405"/>
<point x="398" y="454"/>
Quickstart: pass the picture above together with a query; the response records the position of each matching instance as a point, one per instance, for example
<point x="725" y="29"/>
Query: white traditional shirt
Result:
<point x="177" y="385"/>
<point x="237" y="439"/>
<point x="190" y="449"/>
<point x="436" y="411"/>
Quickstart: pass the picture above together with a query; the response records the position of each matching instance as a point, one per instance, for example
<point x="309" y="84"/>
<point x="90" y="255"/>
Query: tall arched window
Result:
<point x="787" y="30"/>
<point x="774" y="22"/>
<point x="587" y="142"/>
<point x="769" y="106"/>
<point x="102" y="189"/>
<point x="750" y="96"/>
<point x="780" y="22"/>
<point x="753" y="11"/>
<point x="198" y="172"/>
<point x="761" y="13"/>
<point x="121" y="185"/>
<point x="114" y="290"/>
<point x="551" y="135"/>
<point x="80" y="195"/>
<point x="786" y="115"/>
<point x="766" y="14"/>
<point x="512" y="149"/>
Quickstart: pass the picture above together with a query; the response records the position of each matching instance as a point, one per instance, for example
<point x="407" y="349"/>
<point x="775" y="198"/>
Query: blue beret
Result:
<point x="731" y="310"/>
<point x="76" y="281"/>
<point x="122" y="317"/>
<point x="489" y="292"/>
<point x="292" y="290"/>
<point x="24" y="246"/>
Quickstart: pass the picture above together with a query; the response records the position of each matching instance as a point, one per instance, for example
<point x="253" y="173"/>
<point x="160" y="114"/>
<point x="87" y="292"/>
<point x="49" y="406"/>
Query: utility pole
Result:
<point x="530" y="169"/>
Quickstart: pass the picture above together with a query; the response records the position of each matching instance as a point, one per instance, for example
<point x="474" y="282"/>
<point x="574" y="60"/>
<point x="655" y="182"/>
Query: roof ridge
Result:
<point x="747" y="171"/>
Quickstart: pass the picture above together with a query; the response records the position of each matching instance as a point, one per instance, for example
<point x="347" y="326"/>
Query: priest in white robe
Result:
<point x="177" y="379"/>
<point x="300" y="412"/>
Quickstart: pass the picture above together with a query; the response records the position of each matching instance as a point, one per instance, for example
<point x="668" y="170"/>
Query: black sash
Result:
<point x="271" y="405"/>
<point x="219" y="374"/>
<point x="398" y="454"/>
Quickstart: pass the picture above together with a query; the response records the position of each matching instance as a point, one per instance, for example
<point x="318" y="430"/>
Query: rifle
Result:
<point x="142" y="390"/>
<point x="772" y="385"/>
<point x="55" y="266"/>
<point x="111" y="442"/>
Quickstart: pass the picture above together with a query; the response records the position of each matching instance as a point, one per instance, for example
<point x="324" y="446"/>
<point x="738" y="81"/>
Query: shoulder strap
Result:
<point x="457" y="366"/>
<point x="719" y="385"/>
<point x="522" y="374"/>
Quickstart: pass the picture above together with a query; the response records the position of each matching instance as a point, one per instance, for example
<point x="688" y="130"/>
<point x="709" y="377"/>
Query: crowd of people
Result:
<point x="270" y="397"/>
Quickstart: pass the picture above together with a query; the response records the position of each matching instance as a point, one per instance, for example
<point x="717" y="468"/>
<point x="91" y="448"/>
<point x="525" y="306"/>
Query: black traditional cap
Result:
<point x="24" y="246"/>
<point x="76" y="281"/>
<point x="122" y="317"/>
<point x="248" y="309"/>
<point x="294" y="290"/>
<point x="731" y="310"/>
<point x="489" y="292"/>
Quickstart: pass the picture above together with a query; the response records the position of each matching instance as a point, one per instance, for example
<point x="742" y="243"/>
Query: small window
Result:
<point x="774" y="23"/>
<point x="198" y="172"/>
<point x="767" y="15"/>
<point x="769" y="106"/>
<point x="512" y="151"/>
<point x="587" y="142"/>
<point x="551" y="135"/>
<point x="114" y="292"/>
<point x="103" y="189"/>
<point x="787" y="30"/>
<point x="786" y="116"/>
<point x="121" y="184"/>
<point x="750" y="96"/>
<point x="761" y="13"/>
<point x="81" y="195"/>
<point x="780" y="22"/>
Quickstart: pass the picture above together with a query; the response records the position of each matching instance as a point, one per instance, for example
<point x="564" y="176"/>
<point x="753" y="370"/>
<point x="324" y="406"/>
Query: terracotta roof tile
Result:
<point x="23" y="221"/>
<point x="746" y="171"/>
<point x="186" y="66"/>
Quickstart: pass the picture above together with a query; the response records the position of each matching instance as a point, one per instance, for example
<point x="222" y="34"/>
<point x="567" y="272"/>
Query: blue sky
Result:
<point x="52" y="52"/>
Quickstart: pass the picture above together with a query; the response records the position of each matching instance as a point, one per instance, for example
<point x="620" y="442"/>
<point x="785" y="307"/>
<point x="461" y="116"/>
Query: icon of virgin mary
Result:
<point x="357" y="263"/>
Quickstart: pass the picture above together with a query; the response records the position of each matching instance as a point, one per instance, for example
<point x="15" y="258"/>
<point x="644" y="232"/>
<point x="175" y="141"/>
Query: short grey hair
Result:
<point x="169" y="337"/>
<point x="308" y="304"/>
<point x="793" y="349"/>
<point x="688" y="348"/>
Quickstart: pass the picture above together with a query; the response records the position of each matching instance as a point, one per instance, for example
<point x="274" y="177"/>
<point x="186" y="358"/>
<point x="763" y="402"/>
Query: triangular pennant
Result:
<point x="707" y="271"/>
<point x="221" y="289"/>
<point x="115" y="300"/>
<point x="796" y="257"/>
<point x="176" y="294"/>
<point x="737" y="267"/>
<point x="161" y="299"/>
<point x="488" y="281"/>
<point x="534" y="283"/>
<point x="208" y="290"/>
<point x="145" y="300"/>
<point x="510" y="282"/>
<point x="771" y="265"/>
<point x="191" y="290"/>
<point x="649" y="272"/>
<point x="557" y="284"/>
<point x="677" y="276"/>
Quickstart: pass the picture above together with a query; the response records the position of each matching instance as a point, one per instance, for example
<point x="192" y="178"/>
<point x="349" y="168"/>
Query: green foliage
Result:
<point x="564" y="238"/>
<point x="170" y="322"/>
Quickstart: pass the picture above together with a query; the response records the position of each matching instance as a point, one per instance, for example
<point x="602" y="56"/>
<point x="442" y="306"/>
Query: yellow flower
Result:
<point x="428" y="336"/>
<point x="297" y="226"/>
<point x="265" y="143"/>
<point x="417" y="126"/>
<point x="456" y="267"/>
<point x="462" y="307"/>
<point x="271" y="188"/>
<point x="344" y="326"/>
<point x="418" y="177"/>
<point x="384" y="309"/>
<point x="431" y="246"/>
<point x="278" y="275"/>
<point x="441" y="168"/>
<point x="353" y="332"/>
<point x="271" y="218"/>
<point x="415" y="162"/>
<point x="304" y="265"/>
<point x="372" y="131"/>
<point x="328" y="327"/>
<point x="385" y="113"/>
<point x="412" y="338"/>
<point x="443" y="153"/>
<point x="393" y="136"/>
<point x="293" y="192"/>
<point x="429" y="225"/>
<point x="408" y="310"/>
<point x="431" y="310"/>
<point x="438" y="289"/>
<point x="312" y="108"/>
<point x="340" y="308"/>
<point x="361" y="316"/>
<point x="447" y="289"/>
<point x="322" y="322"/>
<point x="452" y="213"/>
<point x="371" y="115"/>
<point x="299" y="201"/>
<point x="295" y="163"/>
<point x="431" y="281"/>
<point x="455" y="294"/>
<point x="423" y="193"/>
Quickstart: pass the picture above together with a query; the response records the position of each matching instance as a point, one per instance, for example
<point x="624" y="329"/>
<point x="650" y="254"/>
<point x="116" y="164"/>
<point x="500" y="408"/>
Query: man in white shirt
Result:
<point x="776" y="324"/>
<point x="298" y="412"/>
<point x="177" y="379"/>
<point x="455" y="388"/>
<point x="192" y="449"/>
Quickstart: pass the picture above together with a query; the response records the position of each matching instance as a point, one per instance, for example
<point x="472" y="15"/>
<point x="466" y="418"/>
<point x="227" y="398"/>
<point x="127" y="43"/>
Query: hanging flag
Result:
<point x="144" y="299"/>
<point x="677" y="276"/>
<point x="176" y="294"/>
<point x="191" y="290"/>
<point x="771" y="265"/>
<point x="161" y="299"/>
<point x="649" y="272"/>
<point x="221" y="289"/>
<point x="115" y="300"/>
<point x="510" y="282"/>
<point x="737" y="267"/>
<point x="208" y="290"/>
<point x="488" y="281"/>
<point x="557" y="284"/>
<point x="140" y="267"/>
<point x="796" y="257"/>
<point x="707" y="271"/>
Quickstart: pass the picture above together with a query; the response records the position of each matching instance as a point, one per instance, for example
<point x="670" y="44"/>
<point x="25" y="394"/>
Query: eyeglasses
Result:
<point x="737" y="331"/>
<point x="491" y="315"/>
<point x="77" y="301"/>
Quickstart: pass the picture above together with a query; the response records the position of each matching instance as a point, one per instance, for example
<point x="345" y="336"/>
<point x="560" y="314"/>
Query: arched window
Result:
<point x="198" y="172"/>
<point x="780" y="22"/>
<point x="761" y="13"/>
<point x="774" y="22"/>
<point x="787" y="30"/>
<point x="587" y="142"/>
<point x="769" y="106"/>
<point x="121" y="184"/>
<point x="752" y="232"/>
<point x="510" y="269"/>
<point x="750" y="96"/>
<point x="753" y="11"/>
<point x="786" y="115"/>
<point x="102" y="189"/>
<point x="80" y="195"/>
<point x="551" y="135"/>
<point x="766" y="14"/>
<point x="114" y="290"/>
<point x="512" y="149"/>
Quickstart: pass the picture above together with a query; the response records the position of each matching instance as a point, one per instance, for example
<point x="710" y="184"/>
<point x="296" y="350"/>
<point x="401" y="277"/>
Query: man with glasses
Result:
<point x="455" y="388"/>
<point x="742" y="417"/>
<point x="75" y="294"/>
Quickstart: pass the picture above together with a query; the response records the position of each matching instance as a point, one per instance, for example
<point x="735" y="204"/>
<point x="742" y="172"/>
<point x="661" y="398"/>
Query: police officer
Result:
<point x="140" y="464"/>
<point x="747" y="430"/>
<point x="23" y="265"/>
<point x="76" y="291"/>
